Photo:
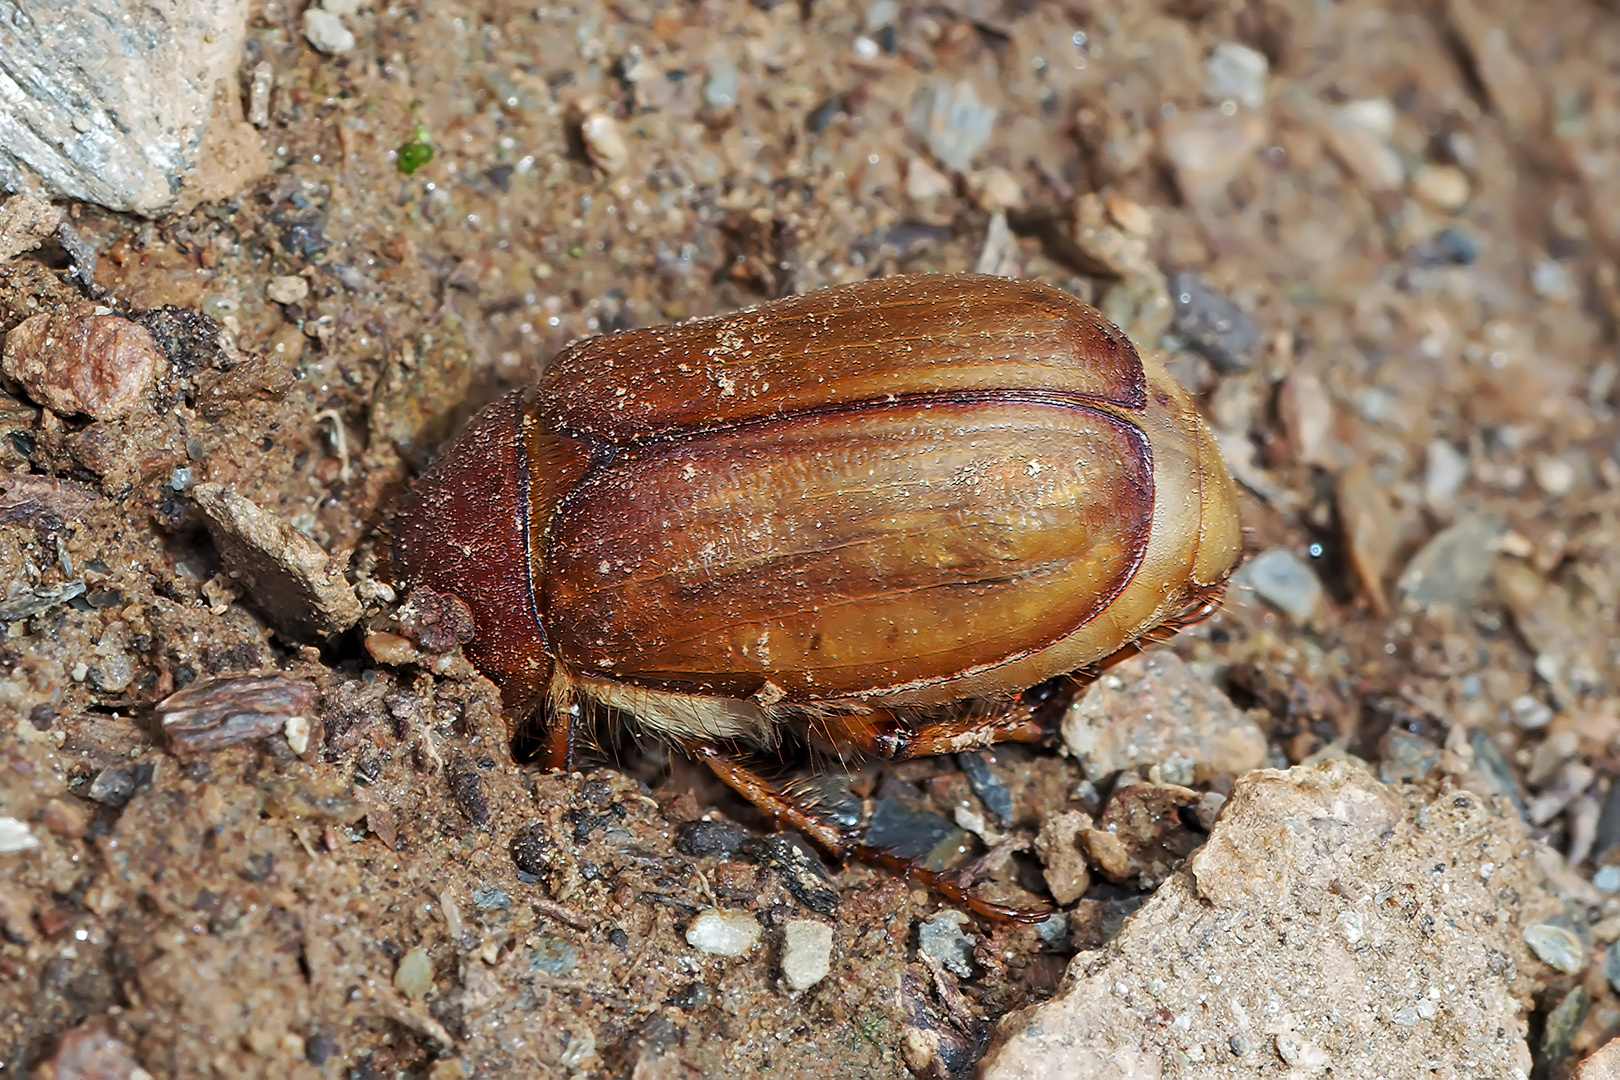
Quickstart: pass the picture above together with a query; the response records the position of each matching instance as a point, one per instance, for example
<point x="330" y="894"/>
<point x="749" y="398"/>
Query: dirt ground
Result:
<point x="1413" y="210"/>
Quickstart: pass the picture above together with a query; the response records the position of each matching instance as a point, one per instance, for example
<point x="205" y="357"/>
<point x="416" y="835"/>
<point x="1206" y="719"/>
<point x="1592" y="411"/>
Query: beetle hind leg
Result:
<point x="780" y="808"/>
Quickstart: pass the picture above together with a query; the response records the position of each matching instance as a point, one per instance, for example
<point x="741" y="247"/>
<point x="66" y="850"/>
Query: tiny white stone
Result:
<point x="723" y="933"/>
<point x="287" y="289"/>
<point x="15" y="836"/>
<point x="326" y="32"/>
<point x="297" y="732"/>
<point x="806" y="953"/>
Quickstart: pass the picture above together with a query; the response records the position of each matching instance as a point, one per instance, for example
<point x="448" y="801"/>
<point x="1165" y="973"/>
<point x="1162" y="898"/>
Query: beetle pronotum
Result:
<point x="826" y="515"/>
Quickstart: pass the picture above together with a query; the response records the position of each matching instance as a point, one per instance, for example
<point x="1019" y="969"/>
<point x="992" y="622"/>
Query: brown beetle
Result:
<point x="826" y="516"/>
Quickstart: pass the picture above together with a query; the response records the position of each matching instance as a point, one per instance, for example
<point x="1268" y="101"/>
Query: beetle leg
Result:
<point x="556" y="752"/>
<point x="736" y="774"/>
<point x="1015" y="722"/>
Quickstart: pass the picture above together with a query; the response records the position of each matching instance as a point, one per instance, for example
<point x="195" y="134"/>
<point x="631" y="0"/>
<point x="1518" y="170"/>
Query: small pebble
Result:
<point x="1551" y="281"/>
<point x="15" y="836"/>
<point x="1554" y="475"/>
<point x="1557" y="947"/>
<point x="1280" y="579"/>
<point x="296" y="732"/>
<point x="1208" y="149"/>
<point x="65" y="818"/>
<point x="82" y="362"/>
<point x="1443" y="187"/>
<point x="1607" y="879"/>
<point x="1358" y="135"/>
<point x="603" y="141"/>
<point x="414" y="977"/>
<point x="724" y="933"/>
<point x="1453" y="567"/>
<point x="1445" y="470"/>
<point x="1234" y="72"/>
<point x="721" y="87"/>
<point x="1611" y="967"/>
<point x="287" y="289"/>
<point x="924" y="183"/>
<point x="954" y="122"/>
<point x="326" y="33"/>
<point x="1213" y="325"/>
<point x="941" y="937"/>
<point x="806" y="953"/>
<point x="581" y="1048"/>
<point x="1530" y="713"/>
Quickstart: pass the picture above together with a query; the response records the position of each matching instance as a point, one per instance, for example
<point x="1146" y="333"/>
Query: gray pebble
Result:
<point x="1281" y="579"/>
<point x="1557" y="947"/>
<point x="1213" y="325"/>
<point x="941" y="937"/>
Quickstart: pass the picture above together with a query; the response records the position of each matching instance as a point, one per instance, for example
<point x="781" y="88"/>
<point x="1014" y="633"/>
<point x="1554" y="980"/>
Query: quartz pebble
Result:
<point x="954" y="122"/>
<point x="326" y="33"/>
<point x="604" y="141"/>
<point x="15" y="836"/>
<point x="287" y="289"/>
<point x="1358" y="134"/>
<point x="1445" y="470"/>
<point x="1451" y="569"/>
<point x="724" y="933"/>
<point x="1443" y="187"/>
<point x="1557" y="946"/>
<point x="414" y="976"/>
<point x="1279" y="578"/>
<point x="1237" y="73"/>
<point x="806" y="953"/>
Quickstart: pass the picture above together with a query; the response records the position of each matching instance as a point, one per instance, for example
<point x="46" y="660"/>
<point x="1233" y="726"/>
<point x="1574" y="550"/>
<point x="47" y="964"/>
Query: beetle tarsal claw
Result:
<point x="925" y="489"/>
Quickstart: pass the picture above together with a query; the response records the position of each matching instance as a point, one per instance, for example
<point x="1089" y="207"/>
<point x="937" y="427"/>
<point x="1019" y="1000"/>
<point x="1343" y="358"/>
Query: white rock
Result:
<point x="723" y="933"/>
<point x="15" y="836"/>
<point x="806" y="953"/>
<point x="287" y="289"/>
<point x="109" y="102"/>
<point x="1444" y="187"/>
<point x="604" y="141"/>
<point x="1445" y="470"/>
<point x="326" y="32"/>
<point x="1234" y="72"/>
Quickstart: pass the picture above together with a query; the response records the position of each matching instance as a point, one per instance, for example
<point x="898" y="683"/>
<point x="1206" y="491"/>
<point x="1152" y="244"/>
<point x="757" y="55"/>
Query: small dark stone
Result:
<point x="115" y="787"/>
<point x="303" y="232"/>
<point x="987" y="786"/>
<point x="1499" y="775"/>
<point x="190" y="339"/>
<point x="319" y="1049"/>
<point x="82" y="253"/>
<point x="693" y="996"/>
<point x="464" y="786"/>
<point x="619" y="939"/>
<point x="704" y="839"/>
<point x="1448" y="247"/>
<point x="500" y="176"/>
<point x="1213" y="325"/>
<point x="800" y="869"/>
<point x="822" y="116"/>
<point x="42" y="717"/>
<point x="1608" y="830"/>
